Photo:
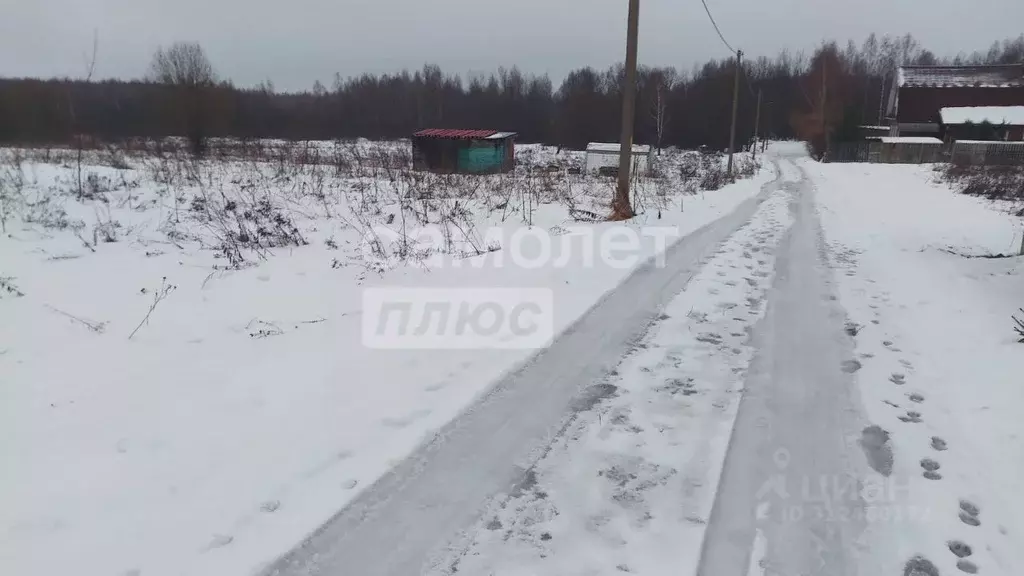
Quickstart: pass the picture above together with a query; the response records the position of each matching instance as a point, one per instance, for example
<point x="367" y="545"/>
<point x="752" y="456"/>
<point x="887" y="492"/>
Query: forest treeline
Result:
<point x="681" y="108"/>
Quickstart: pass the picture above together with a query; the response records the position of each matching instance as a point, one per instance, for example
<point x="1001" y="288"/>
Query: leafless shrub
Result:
<point x="115" y="158"/>
<point x="12" y="183"/>
<point x="93" y="326"/>
<point x="1019" y="328"/>
<point x="7" y="287"/>
<point x="712" y="174"/>
<point x="159" y="294"/>
<point x="992" y="182"/>
<point x="46" y="211"/>
<point x="260" y="329"/>
<point x="105" y="229"/>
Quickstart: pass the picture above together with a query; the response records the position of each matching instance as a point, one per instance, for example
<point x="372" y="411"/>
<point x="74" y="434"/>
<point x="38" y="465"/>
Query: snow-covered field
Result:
<point x="942" y="367"/>
<point x="183" y="383"/>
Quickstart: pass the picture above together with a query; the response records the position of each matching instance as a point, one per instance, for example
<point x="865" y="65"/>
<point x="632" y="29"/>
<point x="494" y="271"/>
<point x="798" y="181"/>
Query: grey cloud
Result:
<point x="295" y="43"/>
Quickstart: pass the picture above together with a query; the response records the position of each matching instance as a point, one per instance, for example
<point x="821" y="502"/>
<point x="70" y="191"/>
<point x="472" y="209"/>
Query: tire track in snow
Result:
<point x="790" y="473"/>
<point x="628" y="487"/>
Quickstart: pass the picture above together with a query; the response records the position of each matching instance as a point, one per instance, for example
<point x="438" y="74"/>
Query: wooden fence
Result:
<point x="963" y="152"/>
<point x="877" y="152"/>
<point x="979" y="153"/>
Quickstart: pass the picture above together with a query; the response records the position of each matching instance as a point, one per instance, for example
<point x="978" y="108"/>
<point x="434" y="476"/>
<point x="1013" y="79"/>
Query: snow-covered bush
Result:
<point x="994" y="182"/>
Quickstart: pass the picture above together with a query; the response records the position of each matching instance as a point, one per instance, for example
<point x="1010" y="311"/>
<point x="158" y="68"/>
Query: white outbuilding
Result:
<point x="601" y="154"/>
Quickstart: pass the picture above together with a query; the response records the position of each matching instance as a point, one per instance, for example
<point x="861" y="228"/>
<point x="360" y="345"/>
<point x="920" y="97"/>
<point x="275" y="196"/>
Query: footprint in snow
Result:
<point x="931" y="469"/>
<point x="916" y="398"/>
<point x="970" y="508"/>
<point x="911" y="416"/>
<point x="939" y="444"/>
<point x="960" y="549"/>
<point x="851" y="366"/>
<point x="874" y="442"/>
<point x="220" y="541"/>
<point x="967" y="566"/>
<point x="405" y="420"/>
<point x="920" y="566"/>
<point x="270" y="506"/>
<point x="969" y="513"/>
<point x="709" y="338"/>
<point x="891" y="403"/>
<point x="898" y="379"/>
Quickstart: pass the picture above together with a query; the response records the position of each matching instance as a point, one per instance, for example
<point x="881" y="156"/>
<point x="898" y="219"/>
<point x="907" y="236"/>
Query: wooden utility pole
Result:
<point x="622" y="209"/>
<point x="881" y="98"/>
<point x="735" y="107"/>
<point x="757" y="121"/>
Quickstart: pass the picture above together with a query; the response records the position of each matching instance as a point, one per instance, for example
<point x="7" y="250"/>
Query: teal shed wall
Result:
<point x="482" y="157"/>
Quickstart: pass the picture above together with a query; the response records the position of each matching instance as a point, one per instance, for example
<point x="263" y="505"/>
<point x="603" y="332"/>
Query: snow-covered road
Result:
<point x="405" y="522"/>
<point x="724" y="415"/>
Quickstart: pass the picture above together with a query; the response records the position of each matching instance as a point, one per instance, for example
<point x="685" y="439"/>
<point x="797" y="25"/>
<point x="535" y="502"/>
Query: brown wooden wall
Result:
<point x="924" y="104"/>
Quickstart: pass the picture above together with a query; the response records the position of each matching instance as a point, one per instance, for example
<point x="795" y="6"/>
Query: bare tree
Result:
<point x="185" y="67"/>
<point x="90" y="68"/>
<point x="664" y="82"/>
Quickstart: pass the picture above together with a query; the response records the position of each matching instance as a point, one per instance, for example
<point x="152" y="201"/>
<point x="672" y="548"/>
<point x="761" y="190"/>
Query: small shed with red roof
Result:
<point x="463" y="151"/>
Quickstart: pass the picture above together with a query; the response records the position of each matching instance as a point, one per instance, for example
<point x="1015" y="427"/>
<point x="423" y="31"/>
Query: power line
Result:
<point x="715" y="24"/>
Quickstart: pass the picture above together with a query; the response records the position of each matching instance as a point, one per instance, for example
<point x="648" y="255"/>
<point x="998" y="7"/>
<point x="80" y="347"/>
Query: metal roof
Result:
<point x="910" y="140"/>
<point x="611" y="148"/>
<point x="1001" y="76"/>
<point x="463" y="134"/>
<point x="1011" y="115"/>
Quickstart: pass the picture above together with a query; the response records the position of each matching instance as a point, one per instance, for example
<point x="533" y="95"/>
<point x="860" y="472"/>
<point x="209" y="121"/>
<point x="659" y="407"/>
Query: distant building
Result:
<point x="463" y="151"/>
<point x="606" y="155"/>
<point x="989" y="123"/>
<point x="920" y="93"/>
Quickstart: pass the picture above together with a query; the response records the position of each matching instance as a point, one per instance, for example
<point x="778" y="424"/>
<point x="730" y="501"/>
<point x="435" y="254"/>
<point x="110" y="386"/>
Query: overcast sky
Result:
<point x="296" y="42"/>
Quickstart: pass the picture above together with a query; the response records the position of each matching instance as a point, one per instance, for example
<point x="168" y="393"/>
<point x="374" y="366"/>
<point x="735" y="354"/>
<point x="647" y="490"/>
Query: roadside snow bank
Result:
<point x="941" y="365"/>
